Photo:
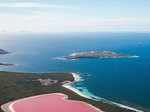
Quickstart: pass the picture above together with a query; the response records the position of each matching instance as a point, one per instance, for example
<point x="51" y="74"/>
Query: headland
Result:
<point x="16" y="86"/>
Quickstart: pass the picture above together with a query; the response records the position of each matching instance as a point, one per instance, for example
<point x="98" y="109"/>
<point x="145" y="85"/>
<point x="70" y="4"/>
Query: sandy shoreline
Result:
<point x="69" y="86"/>
<point x="77" y="78"/>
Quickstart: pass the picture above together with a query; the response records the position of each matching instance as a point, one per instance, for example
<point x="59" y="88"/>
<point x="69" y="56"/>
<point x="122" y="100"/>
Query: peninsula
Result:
<point x="98" y="54"/>
<point x="21" y="89"/>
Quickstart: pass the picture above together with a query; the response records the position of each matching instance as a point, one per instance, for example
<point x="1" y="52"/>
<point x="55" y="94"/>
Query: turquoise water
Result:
<point x="125" y="81"/>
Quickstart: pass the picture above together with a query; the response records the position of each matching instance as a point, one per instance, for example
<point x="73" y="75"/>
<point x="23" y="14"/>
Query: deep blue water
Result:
<point x="125" y="81"/>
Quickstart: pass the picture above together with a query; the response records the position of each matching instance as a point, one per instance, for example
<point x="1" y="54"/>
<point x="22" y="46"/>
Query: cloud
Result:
<point x="57" y="23"/>
<point x="31" y="5"/>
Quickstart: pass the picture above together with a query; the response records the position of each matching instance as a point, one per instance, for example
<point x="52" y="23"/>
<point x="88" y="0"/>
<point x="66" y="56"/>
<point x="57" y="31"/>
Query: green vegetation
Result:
<point x="19" y="85"/>
<point x="98" y="54"/>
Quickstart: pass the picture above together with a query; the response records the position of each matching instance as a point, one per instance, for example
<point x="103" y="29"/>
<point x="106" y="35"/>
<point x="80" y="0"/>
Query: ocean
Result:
<point x="126" y="81"/>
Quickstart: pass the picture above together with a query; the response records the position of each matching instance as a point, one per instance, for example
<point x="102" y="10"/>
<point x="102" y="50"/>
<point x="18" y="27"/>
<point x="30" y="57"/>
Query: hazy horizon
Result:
<point x="74" y="16"/>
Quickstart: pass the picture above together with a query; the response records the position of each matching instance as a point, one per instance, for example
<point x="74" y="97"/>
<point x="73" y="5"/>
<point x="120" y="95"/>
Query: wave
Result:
<point x="63" y="59"/>
<point x="135" y="56"/>
<point x="59" y="58"/>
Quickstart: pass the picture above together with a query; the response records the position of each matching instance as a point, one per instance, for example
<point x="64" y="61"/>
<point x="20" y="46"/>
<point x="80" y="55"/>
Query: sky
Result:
<point x="74" y="15"/>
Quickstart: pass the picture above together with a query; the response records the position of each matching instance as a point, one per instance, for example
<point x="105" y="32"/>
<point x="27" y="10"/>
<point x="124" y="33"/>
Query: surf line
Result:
<point x="77" y="78"/>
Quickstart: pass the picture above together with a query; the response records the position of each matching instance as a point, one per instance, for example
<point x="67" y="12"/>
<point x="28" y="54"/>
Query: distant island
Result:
<point x="6" y="64"/>
<point x="3" y="51"/>
<point x="98" y="54"/>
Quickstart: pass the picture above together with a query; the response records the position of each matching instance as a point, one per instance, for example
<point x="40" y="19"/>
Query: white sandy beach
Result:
<point x="77" y="78"/>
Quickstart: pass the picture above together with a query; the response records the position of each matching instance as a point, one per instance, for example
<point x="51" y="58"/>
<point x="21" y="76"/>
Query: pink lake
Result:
<point x="55" y="102"/>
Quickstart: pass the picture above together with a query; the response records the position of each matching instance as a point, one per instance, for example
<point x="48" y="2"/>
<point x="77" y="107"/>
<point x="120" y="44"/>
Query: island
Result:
<point x="3" y="51"/>
<point x="18" y="90"/>
<point x="98" y="54"/>
<point x="6" y="64"/>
